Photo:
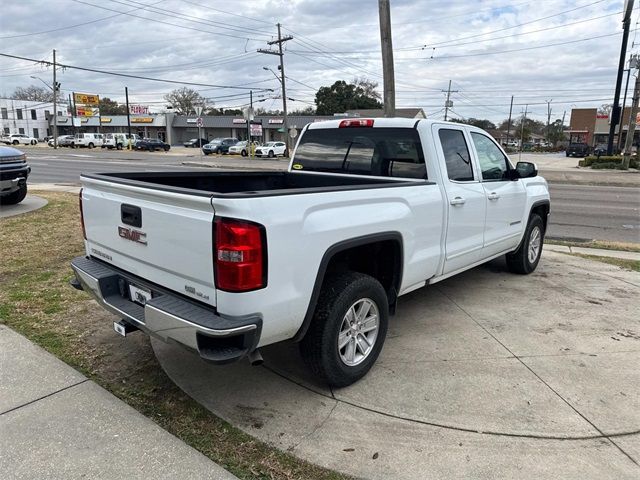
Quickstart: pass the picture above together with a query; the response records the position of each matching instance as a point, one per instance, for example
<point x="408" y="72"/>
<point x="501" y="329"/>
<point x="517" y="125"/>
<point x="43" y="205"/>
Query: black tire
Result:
<point x="33" y="142"/>
<point x="271" y="154"/>
<point x="15" y="142"/>
<point x="286" y="153"/>
<point x="319" y="347"/>
<point x="567" y="154"/>
<point x="14" y="197"/>
<point x="206" y="153"/>
<point x="243" y="153"/>
<point x="151" y="148"/>
<point x="119" y="146"/>
<point x="519" y="261"/>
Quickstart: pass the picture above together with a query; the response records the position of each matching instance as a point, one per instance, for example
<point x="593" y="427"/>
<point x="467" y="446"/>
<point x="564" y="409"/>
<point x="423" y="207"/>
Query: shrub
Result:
<point x="599" y="163"/>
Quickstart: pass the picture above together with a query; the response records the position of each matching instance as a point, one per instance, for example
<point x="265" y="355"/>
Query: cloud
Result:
<point x="188" y="40"/>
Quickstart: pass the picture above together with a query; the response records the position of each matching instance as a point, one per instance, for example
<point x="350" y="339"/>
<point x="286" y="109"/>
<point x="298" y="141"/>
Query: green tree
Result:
<point x="556" y="132"/>
<point x="185" y="100"/>
<point x="111" y="107"/>
<point x="343" y="96"/>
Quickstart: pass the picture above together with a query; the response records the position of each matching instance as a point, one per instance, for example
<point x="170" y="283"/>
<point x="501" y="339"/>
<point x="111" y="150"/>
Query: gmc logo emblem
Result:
<point x="133" y="235"/>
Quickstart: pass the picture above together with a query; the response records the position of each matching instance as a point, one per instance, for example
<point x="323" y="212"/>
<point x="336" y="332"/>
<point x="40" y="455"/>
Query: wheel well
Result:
<point x="379" y="256"/>
<point x="541" y="209"/>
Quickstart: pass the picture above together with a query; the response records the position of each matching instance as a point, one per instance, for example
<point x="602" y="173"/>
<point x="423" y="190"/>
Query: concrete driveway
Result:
<point x="485" y="375"/>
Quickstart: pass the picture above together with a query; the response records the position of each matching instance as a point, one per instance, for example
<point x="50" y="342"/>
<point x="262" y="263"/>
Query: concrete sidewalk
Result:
<point x="56" y="423"/>
<point x="598" y="252"/>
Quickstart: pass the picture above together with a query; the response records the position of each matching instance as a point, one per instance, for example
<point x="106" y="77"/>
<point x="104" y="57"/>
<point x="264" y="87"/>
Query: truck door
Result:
<point x="505" y="198"/>
<point x="465" y="199"/>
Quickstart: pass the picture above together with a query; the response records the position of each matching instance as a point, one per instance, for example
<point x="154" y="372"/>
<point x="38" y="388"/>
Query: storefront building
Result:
<point x="590" y="127"/>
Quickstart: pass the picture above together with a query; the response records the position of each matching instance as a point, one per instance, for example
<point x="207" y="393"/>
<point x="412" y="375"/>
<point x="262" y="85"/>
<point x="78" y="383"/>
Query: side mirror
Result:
<point x="527" y="169"/>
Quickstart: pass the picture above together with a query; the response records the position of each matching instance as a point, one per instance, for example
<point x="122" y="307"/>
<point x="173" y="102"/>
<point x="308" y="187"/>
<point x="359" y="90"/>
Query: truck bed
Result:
<point x="247" y="184"/>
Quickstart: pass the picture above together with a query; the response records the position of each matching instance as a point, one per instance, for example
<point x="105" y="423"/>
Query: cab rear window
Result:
<point x="383" y="152"/>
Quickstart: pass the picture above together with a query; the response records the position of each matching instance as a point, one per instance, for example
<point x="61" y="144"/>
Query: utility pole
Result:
<point x="615" y="110"/>
<point x="126" y="99"/>
<point x="635" y="61"/>
<point x="448" y="103"/>
<point x="624" y="105"/>
<point x="509" y="121"/>
<point x="55" y="104"/>
<point x="524" y="120"/>
<point x="387" y="59"/>
<point x="280" y="41"/>
<point x="548" y="117"/>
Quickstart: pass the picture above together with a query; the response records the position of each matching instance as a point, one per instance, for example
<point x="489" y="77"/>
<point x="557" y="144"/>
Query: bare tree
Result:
<point x="185" y="100"/>
<point x="604" y="109"/>
<point x="368" y="87"/>
<point x="34" y="93"/>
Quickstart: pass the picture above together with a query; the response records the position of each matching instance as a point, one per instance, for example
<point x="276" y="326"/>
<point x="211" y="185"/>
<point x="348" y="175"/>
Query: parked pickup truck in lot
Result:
<point x="224" y="263"/>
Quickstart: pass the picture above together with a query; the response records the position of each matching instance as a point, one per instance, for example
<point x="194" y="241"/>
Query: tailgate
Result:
<point x="162" y="237"/>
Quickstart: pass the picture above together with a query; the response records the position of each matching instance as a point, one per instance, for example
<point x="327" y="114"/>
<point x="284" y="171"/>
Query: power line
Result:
<point x="172" y="24"/>
<point x="68" y="27"/>
<point x="86" y="69"/>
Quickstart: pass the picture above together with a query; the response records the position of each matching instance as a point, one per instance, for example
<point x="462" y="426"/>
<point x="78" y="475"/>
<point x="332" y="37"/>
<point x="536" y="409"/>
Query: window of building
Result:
<point x="21" y="131"/>
<point x="36" y="133"/>
<point x="19" y="114"/>
<point x="456" y="155"/>
<point x="59" y="113"/>
<point x="47" y="114"/>
<point x="5" y="114"/>
<point x="6" y="130"/>
<point x="34" y="115"/>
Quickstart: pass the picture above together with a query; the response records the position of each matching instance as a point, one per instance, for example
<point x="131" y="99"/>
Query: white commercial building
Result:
<point x="27" y="117"/>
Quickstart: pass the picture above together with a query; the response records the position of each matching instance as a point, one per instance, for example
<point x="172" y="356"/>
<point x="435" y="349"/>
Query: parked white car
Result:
<point x="119" y="140"/>
<point x="63" y="141"/>
<point x="272" y="149"/>
<point x="18" y="139"/>
<point x="89" y="140"/>
<point x="225" y="263"/>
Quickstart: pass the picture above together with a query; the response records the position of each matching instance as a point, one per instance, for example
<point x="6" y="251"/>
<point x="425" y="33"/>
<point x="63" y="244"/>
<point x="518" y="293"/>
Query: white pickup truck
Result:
<point x="224" y="263"/>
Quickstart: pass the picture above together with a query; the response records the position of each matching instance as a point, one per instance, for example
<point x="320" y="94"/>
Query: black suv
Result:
<point x="577" y="150"/>
<point x="13" y="175"/>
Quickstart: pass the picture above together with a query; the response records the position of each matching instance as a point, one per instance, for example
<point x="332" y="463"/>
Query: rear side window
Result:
<point x="383" y="152"/>
<point x="456" y="155"/>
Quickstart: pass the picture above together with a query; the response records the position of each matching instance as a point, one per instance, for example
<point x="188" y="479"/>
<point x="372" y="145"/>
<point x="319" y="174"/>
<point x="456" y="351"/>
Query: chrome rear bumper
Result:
<point x="169" y="316"/>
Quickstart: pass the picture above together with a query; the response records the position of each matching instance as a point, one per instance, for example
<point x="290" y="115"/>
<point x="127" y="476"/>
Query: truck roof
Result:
<point x="394" y="122"/>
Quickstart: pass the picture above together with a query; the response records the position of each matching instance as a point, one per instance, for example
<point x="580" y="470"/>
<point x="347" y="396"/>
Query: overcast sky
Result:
<point x="488" y="48"/>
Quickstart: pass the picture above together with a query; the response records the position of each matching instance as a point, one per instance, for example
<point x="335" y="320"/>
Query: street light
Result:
<point x="274" y="73"/>
<point x="55" y="113"/>
<point x="45" y="83"/>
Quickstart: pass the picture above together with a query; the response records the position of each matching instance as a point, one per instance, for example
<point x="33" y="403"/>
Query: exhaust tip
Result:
<point x="255" y="358"/>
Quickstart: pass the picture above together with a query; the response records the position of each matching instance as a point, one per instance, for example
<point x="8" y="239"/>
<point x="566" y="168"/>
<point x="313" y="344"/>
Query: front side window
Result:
<point x="493" y="163"/>
<point x="384" y="152"/>
<point x="456" y="155"/>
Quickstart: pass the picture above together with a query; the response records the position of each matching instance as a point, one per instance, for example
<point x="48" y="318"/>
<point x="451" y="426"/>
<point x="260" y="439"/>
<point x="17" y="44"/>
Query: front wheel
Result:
<point x="271" y="154"/>
<point x="15" y="142"/>
<point x="119" y="146"/>
<point x="243" y="153"/>
<point x="15" y="197"/>
<point x="348" y="329"/>
<point x="526" y="258"/>
<point x="33" y="142"/>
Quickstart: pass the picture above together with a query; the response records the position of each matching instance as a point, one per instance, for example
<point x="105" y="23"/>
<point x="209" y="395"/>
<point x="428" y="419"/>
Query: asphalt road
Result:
<point x="578" y="211"/>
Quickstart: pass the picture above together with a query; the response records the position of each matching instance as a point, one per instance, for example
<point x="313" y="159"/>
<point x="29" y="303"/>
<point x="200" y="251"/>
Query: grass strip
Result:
<point x="37" y="301"/>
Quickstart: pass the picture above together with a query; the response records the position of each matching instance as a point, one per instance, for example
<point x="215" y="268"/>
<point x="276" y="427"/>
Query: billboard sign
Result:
<point x="139" y="109"/>
<point x="87" y="111"/>
<point x="86" y="99"/>
<point x="256" y="129"/>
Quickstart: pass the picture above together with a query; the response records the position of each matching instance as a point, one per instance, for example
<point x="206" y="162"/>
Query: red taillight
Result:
<point x="84" y="232"/>
<point x="356" y="122"/>
<point x="240" y="255"/>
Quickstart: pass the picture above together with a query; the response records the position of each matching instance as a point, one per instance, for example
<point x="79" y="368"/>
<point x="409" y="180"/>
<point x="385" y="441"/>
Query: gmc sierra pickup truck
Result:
<point x="224" y="263"/>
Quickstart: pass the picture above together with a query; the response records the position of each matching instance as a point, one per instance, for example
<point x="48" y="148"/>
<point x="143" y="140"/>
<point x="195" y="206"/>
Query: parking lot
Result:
<point x="485" y="375"/>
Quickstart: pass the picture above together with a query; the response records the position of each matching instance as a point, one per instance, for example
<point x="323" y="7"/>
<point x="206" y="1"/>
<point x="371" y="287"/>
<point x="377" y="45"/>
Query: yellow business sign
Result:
<point x="87" y="112"/>
<point x="142" y="120"/>
<point x="105" y="120"/>
<point x="86" y="98"/>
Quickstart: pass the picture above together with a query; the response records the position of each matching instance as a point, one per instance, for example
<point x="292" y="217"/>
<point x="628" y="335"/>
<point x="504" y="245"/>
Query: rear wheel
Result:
<point x="33" y="142"/>
<point x="15" y="142"/>
<point x="348" y="329"/>
<point x="119" y="146"/>
<point x="91" y="145"/>
<point x="271" y="154"/>
<point x="526" y="258"/>
<point x="15" y="197"/>
<point x="243" y="153"/>
<point x="150" y="148"/>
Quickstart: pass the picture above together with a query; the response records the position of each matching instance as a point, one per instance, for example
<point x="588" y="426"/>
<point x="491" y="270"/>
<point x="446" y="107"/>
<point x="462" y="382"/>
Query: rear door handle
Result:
<point x="493" y="196"/>
<point x="458" y="201"/>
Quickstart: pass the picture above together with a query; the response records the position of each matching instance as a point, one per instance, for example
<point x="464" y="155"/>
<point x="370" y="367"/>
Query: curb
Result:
<point x="598" y="252"/>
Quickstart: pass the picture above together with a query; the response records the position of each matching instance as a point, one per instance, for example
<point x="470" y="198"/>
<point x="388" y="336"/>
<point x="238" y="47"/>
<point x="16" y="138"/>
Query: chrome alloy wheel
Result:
<point x="535" y="241"/>
<point x="358" y="332"/>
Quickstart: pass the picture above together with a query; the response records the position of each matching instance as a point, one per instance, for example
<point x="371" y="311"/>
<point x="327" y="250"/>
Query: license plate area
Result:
<point x="139" y="295"/>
